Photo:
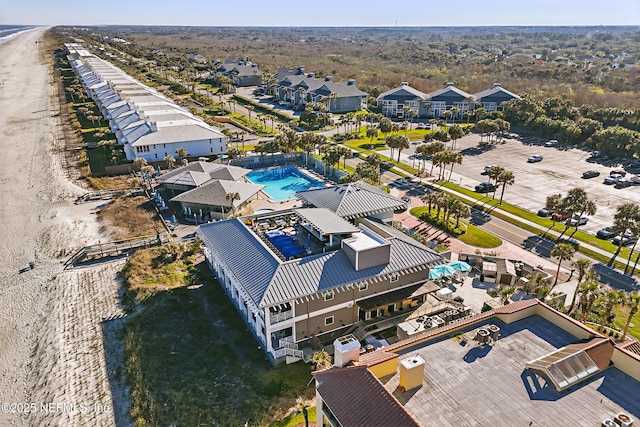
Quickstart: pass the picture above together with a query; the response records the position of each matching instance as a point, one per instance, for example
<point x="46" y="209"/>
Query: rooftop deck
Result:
<point x="488" y="385"/>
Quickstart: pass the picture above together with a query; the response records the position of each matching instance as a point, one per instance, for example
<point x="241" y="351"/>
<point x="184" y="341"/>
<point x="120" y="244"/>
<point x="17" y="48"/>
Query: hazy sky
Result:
<point x="321" y="12"/>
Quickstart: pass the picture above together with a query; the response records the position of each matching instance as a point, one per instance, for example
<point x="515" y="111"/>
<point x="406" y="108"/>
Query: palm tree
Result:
<point x="321" y="360"/>
<point x="611" y="298"/>
<point x="345" y="153"/>
<point x="626" y="217"/>
<point x="403" y="144"/>
<point x="493" y="173"/>
<point x="563" y="251"/>
<point x="169" y="160"/>
<point x="582" y="266"/>
<point x="372" y="132"/>
<point x="633" y="300"/>
<point x="431" y="199"/>
<point x="302" y="408"/>
<point x="374" y="161"/>
<point x="455" y="132"/>
<point x="506" y="293"/>
<point x="231" y="197"/>
<point x="454" y="158"/>
<point x="590" y="291"/>
<point x="506" y="178"/>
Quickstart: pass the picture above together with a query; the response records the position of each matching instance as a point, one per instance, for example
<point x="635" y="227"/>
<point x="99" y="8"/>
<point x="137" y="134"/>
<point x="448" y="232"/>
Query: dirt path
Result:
<point x="48" y="319"/>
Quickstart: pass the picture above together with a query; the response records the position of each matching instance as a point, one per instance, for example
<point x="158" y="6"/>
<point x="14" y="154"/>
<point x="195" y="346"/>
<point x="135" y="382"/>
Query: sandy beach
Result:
<point x="56" y="368"/>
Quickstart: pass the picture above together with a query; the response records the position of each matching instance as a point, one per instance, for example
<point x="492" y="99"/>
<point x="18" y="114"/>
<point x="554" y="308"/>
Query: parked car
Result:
<point x="620" y="172"/>
<point x="486" y="170"/>
<point x="627" y="239"/>
<point x="535" y="159"/>
<point x="623" y="183"/>
<point x="579" y="220"/>
<point x="556" y="216"/>
<point x="405" y="199"/>
<point x="604" y="233"/>
<point x="544" y="212"/>
<point x="421" y="126"/>
<point x="485" y="187"/>
<point x="590" y="174"/>
<point x="551" y="143"/>
<point x="634" y="180"/>
<point x="611" y="180"/>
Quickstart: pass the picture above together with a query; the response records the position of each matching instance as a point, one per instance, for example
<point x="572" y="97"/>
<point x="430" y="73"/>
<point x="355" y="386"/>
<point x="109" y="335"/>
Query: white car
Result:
<point x="578" y="220"/>
<point x="535" y="159"/>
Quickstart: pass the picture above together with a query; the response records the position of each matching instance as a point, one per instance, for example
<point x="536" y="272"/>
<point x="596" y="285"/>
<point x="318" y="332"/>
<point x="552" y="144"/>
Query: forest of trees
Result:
<point x="587" y="65"/>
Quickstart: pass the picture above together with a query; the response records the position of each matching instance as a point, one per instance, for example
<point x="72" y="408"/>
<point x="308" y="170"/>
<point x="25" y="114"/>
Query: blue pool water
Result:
<point x="283" y="183"/>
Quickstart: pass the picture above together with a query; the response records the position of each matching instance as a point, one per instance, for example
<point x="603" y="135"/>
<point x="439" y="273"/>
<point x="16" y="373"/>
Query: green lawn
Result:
<point x="294" y="419"/>
<point x="190" y="360"/>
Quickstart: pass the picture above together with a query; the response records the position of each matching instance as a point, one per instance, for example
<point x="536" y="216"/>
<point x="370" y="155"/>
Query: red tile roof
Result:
<point x="375" y="407"/>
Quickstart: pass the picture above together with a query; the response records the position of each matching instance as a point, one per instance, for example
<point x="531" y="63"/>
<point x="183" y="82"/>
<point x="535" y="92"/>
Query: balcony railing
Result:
<point x="288" y="348"/>
<point x="281" y="316"/>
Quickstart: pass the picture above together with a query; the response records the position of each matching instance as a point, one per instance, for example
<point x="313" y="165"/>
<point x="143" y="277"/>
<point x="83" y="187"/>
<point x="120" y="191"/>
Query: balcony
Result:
<point x="280" y="316"/>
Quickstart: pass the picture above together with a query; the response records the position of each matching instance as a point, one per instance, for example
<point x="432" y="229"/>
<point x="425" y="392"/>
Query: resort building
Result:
<point x="405" y="102"/>
<point x="306" y="276"/>
<point x="492" y="99"/>
<point x="146" y="123"/>
<point x="354" y="200"/>
<point x="519" y="365"/>
<point x="242" y="71"/>
<point x="299" y="89"/>
<point x="195" y="174"/>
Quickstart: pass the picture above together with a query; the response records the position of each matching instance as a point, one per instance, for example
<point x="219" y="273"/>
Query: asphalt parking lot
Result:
<point x="558" y="172"/>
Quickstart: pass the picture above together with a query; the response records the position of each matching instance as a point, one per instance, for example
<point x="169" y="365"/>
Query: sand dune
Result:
<point x="52" y="352"/>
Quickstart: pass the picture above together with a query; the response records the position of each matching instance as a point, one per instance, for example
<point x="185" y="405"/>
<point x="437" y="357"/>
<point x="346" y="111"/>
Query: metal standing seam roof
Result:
<point x="187" y="178"/>
<point x="177" y="134"/>
<point x="402" y="93"/>
<point x="213" y="170"/>
<point x="252" y="264"/>
<point x="326" y="221"/>
<point x="492" y="91"/>
<point x="356" y="199"/>
<point x="317" y="273"/>
<point x="445" y="92"/>
<point x="269" y="281"/>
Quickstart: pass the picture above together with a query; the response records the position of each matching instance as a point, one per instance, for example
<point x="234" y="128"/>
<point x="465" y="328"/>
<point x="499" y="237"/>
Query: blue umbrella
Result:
<point x="185" y="211"/>
<point x="174" y="219"/>
<point x="308" y="241"/>
<point x="189" y="211"/>
<point x="440" y="270"/>
<point x="460" y="266"/>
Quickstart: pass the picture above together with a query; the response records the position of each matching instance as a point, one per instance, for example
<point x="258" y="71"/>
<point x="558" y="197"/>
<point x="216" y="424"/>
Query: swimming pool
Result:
<point x="282" y="183"/>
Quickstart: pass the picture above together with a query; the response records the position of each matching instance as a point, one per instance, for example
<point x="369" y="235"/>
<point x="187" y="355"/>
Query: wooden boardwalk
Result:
<point x="115" y="248"/>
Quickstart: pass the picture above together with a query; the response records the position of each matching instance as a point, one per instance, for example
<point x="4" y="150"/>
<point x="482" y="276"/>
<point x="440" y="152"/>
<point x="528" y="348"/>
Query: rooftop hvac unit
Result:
<point x="608" y="423"/>
<point x="494" y="332"/>
<point x="482" y="336"/>
<point x="623" y="420"/>
<point x="411" y="373"/>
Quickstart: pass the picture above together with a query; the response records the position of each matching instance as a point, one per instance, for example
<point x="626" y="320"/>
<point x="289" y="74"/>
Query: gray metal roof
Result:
<point x="496" y="89"/>
<point x="352" y="200"/>
<point x="269" y="281"/>
<point x="212" y="170"/>
<point x="252" y="264"/>
<point x="326" y="221"/>
<point x="317" y="273"/>
<point x="214" y="193"/>
<point x="404" y="92"/>
<point x="449" y="91"/>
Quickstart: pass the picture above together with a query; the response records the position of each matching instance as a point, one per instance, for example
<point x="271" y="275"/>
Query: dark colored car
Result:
<point x="544" y="212"/>
<point x="590" y="174"/>
<point x="627" y="239"/>
<point x="485" y="187"/>
<point x="604" y="233"/>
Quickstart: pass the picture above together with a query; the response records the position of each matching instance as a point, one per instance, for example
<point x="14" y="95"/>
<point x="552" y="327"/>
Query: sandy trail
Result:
<point x="52" y="350"/>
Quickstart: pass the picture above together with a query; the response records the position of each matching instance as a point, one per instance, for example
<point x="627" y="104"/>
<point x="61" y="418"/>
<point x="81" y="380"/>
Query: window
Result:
<point x="328" y="321"/>
<point x="156" y="154"/>
<point x="394" y="277"/>
<point x="363" y="286"/>
<point x="328" y="296"/>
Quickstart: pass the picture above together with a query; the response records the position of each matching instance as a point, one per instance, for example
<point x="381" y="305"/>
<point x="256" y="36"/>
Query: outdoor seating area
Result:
<point x="285" y="243"/>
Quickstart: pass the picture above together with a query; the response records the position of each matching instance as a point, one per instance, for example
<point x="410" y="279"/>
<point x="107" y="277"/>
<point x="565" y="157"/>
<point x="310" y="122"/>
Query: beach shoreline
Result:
<point x="54" y="352"/>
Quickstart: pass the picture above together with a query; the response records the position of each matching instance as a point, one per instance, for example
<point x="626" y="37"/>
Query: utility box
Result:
<point x="411" y="372"/>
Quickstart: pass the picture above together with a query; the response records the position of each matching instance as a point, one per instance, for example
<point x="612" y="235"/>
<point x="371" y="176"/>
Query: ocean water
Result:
<point x="7" y="32"/>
